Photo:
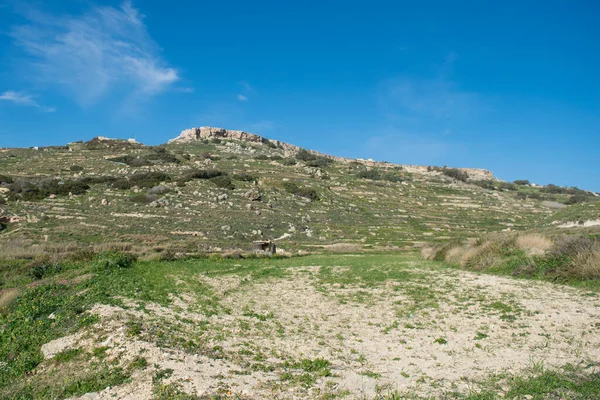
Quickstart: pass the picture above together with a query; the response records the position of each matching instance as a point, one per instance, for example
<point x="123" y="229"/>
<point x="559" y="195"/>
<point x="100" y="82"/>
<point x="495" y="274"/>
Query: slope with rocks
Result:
<point x="212" y="189"/>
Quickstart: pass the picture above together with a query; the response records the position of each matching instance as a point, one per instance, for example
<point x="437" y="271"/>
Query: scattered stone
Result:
<point x="253" y="195"/>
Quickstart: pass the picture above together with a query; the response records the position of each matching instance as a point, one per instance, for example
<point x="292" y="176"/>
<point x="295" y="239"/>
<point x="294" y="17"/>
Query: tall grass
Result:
<point x="567" y="258"/>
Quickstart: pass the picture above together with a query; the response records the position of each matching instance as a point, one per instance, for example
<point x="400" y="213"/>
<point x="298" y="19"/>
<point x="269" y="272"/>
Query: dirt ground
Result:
<point x="444" y="332"/>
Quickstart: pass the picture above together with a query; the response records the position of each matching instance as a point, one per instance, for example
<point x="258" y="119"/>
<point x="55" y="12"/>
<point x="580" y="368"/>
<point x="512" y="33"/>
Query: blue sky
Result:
<point x="510" y="86"/>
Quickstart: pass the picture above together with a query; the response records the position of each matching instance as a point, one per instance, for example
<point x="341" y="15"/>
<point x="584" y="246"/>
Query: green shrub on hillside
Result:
<point x="521" y="182"/>
<point x="148" y="179"/>
<point x="112" y="260"/>
<point x="5" y="179"/>
<point x="307" y="193"/>
<point x="305" y="155"/>
<point x="223" y="181"/>
<point x="288" y="161"/>
<point x="76" y="168"/>
<point x="456" y="174"/>
<point x="373" y="174"/>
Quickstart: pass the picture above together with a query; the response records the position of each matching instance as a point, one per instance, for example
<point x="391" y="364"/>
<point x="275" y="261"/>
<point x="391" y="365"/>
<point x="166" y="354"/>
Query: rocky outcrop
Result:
<point x="208" y="132"/>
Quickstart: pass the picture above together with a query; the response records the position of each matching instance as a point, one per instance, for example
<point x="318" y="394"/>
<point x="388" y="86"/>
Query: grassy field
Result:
<point x="321" y="326"/>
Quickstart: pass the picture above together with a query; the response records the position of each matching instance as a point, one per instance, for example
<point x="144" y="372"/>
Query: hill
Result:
<point x="108" y="290"/>
<point x="212" y="189"/>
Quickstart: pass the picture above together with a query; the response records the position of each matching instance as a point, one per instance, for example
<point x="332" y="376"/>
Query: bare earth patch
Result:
<point x="301" y="337"/>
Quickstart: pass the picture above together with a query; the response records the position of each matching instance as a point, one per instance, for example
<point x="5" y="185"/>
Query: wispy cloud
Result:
<point x="89" y="55"/>
<point x="435" y="99"/>
<point x="423" y="116"/>
<point x="241" y="97"/>
<point x="24" y="99"/>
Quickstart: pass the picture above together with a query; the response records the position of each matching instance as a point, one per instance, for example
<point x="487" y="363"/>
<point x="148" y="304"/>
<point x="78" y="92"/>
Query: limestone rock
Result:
<point x="253" y="194"/>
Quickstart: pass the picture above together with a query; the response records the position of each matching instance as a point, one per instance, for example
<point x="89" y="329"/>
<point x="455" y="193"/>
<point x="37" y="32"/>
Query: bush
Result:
<point x="216" y="141"/>
<point x="122" y="183"/>
<point x="307" y="193"/>
<point x="130" y="160"/>
<point x="521" y="182"/>
<point x="202" y="174"/>
<point x="244" y="177"/>
<point x="507" y="186"/>
<point x="112" y="260"/>
<point x="43" y="269"/>
<point x="305" y="155"/>
<point x="456" y="174"/>
<point x="288" y="161"/>
<point x="320" y="162"/>
<point x="372" y="174"/>
<point x="40" y="188"/>
<point x="93" y="180"/>
<point x="148" y="179"/>
<point x="4" y="179"/>
<point x="76" y="168"/>
<point x="392" y="177"/>
<point x="486" y="184"/>
<point x="261" y="157"/>
<point x="276" y="158"/>
<point x="223" y="181"/>
<point x="578" y="198"/>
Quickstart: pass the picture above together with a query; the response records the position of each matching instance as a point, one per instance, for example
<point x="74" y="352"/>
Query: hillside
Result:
<point x="125" y="274"/>
<point x="213" y="189"/>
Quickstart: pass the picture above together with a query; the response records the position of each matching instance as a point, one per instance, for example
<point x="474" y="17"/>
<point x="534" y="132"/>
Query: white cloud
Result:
<point x="89" y="55"/>
<point x="24" y="99"/>
<point x="241" y="97"/>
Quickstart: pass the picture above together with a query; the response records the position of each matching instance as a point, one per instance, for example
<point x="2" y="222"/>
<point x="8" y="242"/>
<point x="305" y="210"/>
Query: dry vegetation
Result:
<point x="560" y="256"/>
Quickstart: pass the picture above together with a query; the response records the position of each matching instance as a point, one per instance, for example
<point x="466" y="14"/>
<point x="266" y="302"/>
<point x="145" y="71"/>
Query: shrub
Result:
<point x="223" y="181"/>
<point x="122" y="183"/>
<point x="392" y="177"/>
<point x="307" y="193"/>
<point x="244" y="177"/>
<point x="148" y="179"/>
<point x="276" y="158"/>
<point x="72" y="187"/>
<point x="43" y="269"/>
<point x="521" y="196"/>
<point x="578" y="198"/>
<point x="507" y="186"/>
<point x="4" y="179"/>
<point x="76" y="168"/>
<point x="305" y="155"/>
<point x="112" y="260"/>
<point x="486" y="184"/>
<point x="130" y="160"/>
<point x="261" y="157"/>
<point x="456" y="174"/>
<point x="201" y="174"/>
<point x="372" y="174"/>
<point x="93" y="180"/>
<point x="40" y="188"/>
<point x="320" y="162"/>
<point x="521" y="182"/>
<point x="288" y="161"/>
<point x="216" y="141"/>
